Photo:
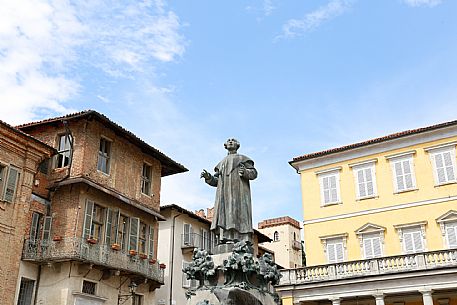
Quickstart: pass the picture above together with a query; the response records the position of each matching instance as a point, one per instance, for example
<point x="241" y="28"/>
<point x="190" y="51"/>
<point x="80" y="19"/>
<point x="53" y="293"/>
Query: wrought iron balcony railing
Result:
<point x="194" y="240"/>
<point x="77" y="249"/>
<point x="376" y="266"/>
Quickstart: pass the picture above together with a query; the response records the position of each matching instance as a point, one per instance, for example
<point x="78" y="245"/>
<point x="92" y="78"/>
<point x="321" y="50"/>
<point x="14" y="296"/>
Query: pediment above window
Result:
<point x="448" y="216"/>
<point x="370" y="228"/>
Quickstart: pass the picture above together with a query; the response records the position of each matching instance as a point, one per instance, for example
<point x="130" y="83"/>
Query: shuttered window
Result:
<point x="444" y="165"/>
<point x="109" y="223"/>
<point x="11" y="184"/>
<point x="403" y="172"/>
<point x="188" y="234"/>
<point x="330" y="189"/>
<point x="365" y="181"/>
<point x="35" y="226"/>
<point x="104" y="156"/>
<point x="88" y="219"/>
<point x="335" y="250"/>
<point x="93" y="221"/>
<point x="47" y="228"/>
<point x="122" y="230"/>
<point x="451" y="234"/>
<point x="185" y="282"/>
<point x="142" y="238"/>
<point x="151" y="242"/>
<point x="134" y="233"/>
<point x="412" y="240"/>
<point x="371" y="245"/>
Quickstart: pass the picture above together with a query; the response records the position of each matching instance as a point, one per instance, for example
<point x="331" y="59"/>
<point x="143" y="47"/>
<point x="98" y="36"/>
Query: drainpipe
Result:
<point x="37" y="284"/>
<point x="172" y="255"/>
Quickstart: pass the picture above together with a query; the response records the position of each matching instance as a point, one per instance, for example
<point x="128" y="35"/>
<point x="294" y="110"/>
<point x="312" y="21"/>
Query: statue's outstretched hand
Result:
<point x="205" y="175"/>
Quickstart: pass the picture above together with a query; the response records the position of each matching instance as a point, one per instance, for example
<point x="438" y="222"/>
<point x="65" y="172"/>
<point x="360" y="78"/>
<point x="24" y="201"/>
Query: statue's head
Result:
<point x="232" y="145"/>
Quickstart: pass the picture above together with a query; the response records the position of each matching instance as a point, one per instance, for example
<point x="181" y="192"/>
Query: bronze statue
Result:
<point x="232" y="220"/>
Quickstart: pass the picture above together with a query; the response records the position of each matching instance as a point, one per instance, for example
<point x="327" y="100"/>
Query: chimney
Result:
<point x="209" y="212"/>
<point x="201" y="213"/>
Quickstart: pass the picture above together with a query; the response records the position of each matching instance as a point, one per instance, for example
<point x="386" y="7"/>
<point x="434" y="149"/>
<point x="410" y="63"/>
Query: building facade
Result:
<point x="380" y="222"/>
<point x="286" y="240"/>
<point x="20" y="156"/>
<point x="93" y="230"/>
<point x="181" y="233"/>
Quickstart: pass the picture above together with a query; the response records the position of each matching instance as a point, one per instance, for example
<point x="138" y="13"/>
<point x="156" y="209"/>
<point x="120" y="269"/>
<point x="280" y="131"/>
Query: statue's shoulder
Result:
<point x="244" y="159"/>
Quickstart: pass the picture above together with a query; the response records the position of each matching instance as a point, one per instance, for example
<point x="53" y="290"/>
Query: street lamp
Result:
<point x="124" y="297"/>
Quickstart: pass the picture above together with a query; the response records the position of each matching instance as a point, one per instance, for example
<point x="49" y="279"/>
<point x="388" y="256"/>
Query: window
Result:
<point x="47" y="228"/>
<point x="451" y="234"/>
<point x="110" y="226"/>
<point x="142" y="239"/>
<point x="25" y="292"/>
<point x="151" y="241"/>
<point x="335" y="250"/>
<point x="403" y="173"/>
<point x="365" y="181"/>
<point x="89" y="287"/>
<point x="9" y="177"/>
<point x="93" y="221"/>
<point x="134" y="232"/>
<point x="35" y="226"/>
<point x="64" y="151"/>
<point x="412" y="240"/>
<point x="122" y="231"/>
<point x="205" y="242"/>
<point x="371" y="245"/>
<point x="276" y="236"/>
<point x="104" y="155"/>
<point x="146" y="179"/>
<point x="188" y="237"/>
<point x="443" y="161"/>
<point x="330" y="188"/>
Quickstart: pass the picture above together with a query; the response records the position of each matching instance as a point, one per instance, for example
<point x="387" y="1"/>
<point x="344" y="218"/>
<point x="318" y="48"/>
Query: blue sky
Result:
<point x="284" y="77"/>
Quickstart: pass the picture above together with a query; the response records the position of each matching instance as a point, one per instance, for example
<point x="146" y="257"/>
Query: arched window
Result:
<point x="276" y="236"/>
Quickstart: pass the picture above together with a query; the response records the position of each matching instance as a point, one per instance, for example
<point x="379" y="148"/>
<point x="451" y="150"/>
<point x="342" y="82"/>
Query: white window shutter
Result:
<point x="151" y="241"/>
<point x="134" y="233"/>
<point x="88" y="219"/>
<point x="339" y="252"/>
<point x="408" y="242"/>
<point x="408" y="174"/>
<point x="377" y="250"/>
<point x="417" y="238"/>
<point x="108" y="226"/>
<point x="369" y="181"/>
<point x="187" y="233"/>
<point x="11" y="184"/>
<point x="367" y="247"/>
<point x="331" y="253"/>
<point x="399" y="176"/>
<point x="47" y="228"/>
<point x="451" y="235"/>
<point x="447" y="157"/>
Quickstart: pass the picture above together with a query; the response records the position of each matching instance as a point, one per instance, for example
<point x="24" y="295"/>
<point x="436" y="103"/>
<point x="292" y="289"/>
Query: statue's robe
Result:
<point x="232" y="208"/>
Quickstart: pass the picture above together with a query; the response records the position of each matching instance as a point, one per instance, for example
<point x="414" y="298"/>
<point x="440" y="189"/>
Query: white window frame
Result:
<point x="333" y="240"/>
<point x="453" y="226"/>
<point x="63" y="152"/>
<point x="371" y="237"/>
<point x="276" y="236"/>
<point x="413" y="228"/>
<point x="185" y="282"/>
<point x="188" y="237"/>
<point x="5" y="176"/>
<point x="362" y="167"/>
<point x="328" y="174"/>
<point x="105" y="157"/>
<point x="433" y="152"/>
<point x="449" y="219"/>
<point x="400" y="160"/>
<point x="146" y="181"/>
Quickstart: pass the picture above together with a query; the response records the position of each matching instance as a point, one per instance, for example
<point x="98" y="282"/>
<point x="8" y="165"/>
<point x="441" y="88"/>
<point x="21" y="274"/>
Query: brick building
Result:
<point x="94" y="231"/>
<point x="20" y="156"/>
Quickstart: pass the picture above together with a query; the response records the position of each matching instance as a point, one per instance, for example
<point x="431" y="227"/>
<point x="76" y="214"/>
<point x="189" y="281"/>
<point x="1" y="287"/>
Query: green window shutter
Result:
<point x="109" y="226"/>
<point x="11" y="184"/>
<point x="47" y="228"/>
<point x="35" y="227"/>
<point x="88" y="219"/>
<point x="151" y="242"/>
<point x="134" y="232"/>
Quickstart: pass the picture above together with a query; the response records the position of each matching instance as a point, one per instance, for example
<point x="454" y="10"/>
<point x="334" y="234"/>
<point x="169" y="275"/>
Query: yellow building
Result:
<point x="380" y="222"/>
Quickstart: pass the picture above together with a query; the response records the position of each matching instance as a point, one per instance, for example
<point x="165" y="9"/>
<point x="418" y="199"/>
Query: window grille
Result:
<point x="25" y="292"/>
<point x="89" y="287"/>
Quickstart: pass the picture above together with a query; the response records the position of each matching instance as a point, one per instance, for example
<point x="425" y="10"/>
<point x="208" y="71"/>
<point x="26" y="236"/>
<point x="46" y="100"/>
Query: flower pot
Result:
<point x="162" y="266"/>
<point x="152" y="261"/>
<point x="132" y="252"/>
<point x="116" y="247"/>
<point x="57" y="238"/>
<point x="91" y="241"/>
<point x="143" y="256"/>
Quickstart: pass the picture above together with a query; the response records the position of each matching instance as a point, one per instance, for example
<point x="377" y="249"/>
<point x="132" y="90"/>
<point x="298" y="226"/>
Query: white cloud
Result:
<point x="296" y="27"/>
<point x="416" y="3"/>
<point x="268" y="7"/>
<point x="43" y="43"/>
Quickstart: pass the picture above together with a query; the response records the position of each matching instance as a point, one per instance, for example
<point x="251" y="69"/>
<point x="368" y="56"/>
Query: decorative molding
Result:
<point x="407" y="154"/>
<point x="328" y="170"/>
<point x="441" y="146"/>
<point x="363" y="163"/>
<point x="380" y="210"/>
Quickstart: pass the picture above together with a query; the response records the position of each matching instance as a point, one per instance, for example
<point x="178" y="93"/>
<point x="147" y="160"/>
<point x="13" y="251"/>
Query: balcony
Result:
<point x="296" y="245"/>
<point x="369" y="267"/>
<point x="194" y="240"/>
<point x="77" y="249"/>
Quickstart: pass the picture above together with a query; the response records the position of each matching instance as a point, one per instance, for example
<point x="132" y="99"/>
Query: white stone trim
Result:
<point x="441" y="146"/>
<point x="363" y="163"/>
<point x="380" y="210"/>
<point x="401" y="155"/>
<point x="328" y="170"/>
